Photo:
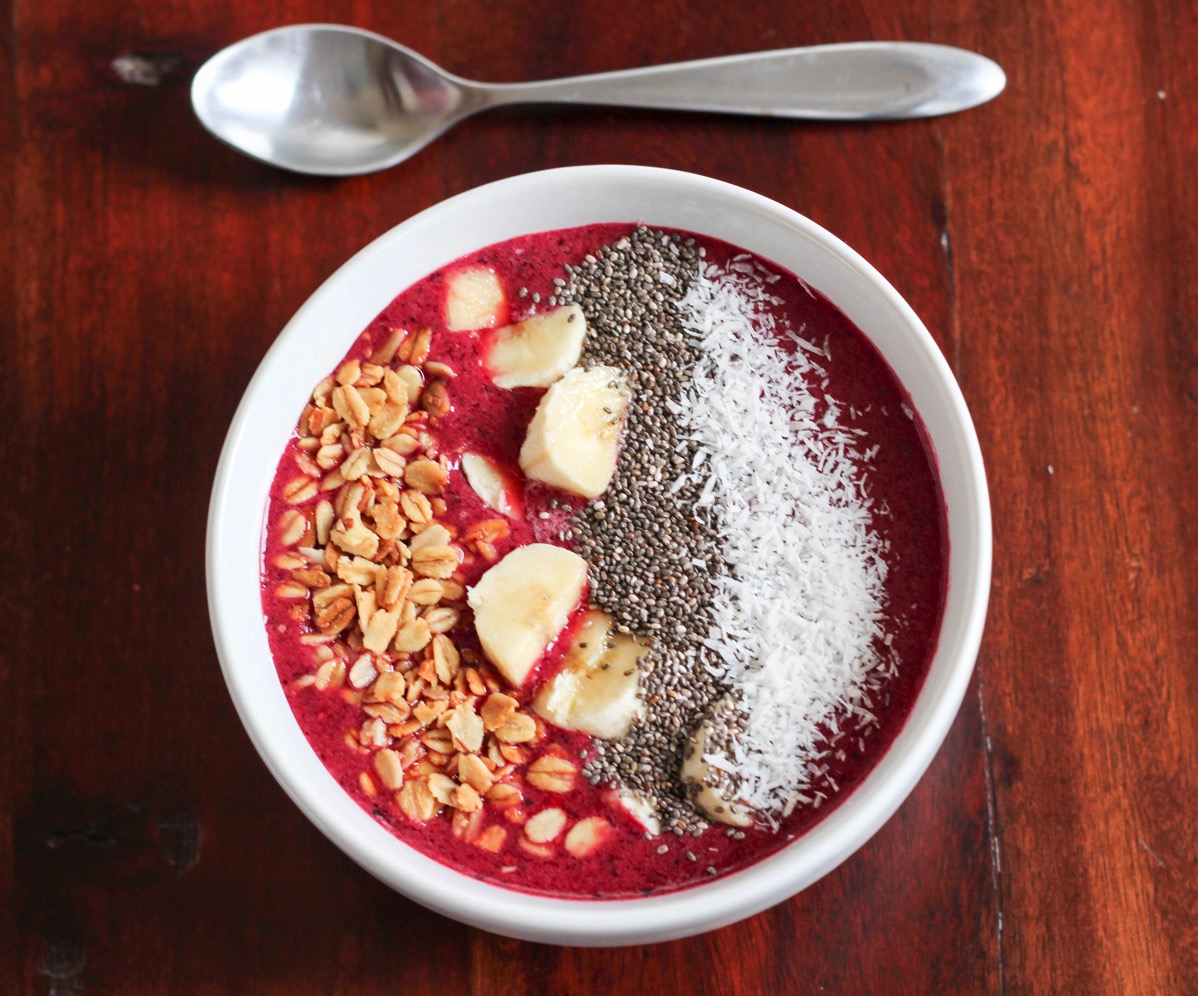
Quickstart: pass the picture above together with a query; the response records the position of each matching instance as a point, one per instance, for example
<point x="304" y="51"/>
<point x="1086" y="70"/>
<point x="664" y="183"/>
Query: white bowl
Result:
<point x="321" y="332"/>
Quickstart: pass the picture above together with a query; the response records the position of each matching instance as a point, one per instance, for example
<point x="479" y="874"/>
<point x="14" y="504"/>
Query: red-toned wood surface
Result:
<point x="1047" y="239"/>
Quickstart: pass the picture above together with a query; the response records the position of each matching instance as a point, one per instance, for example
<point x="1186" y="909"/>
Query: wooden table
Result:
<point x="1047" y="239"/>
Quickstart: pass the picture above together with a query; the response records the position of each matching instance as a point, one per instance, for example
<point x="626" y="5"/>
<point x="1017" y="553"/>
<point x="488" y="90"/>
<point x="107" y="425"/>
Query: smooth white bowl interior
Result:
<point x="322" y="331"/>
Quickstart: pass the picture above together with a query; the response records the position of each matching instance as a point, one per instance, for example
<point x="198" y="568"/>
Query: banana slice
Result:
<point x="537" y="351"/>
<point x="597" y="689"/>
<point x="574" y="437"/>
<point x="523" y="602"/>
<point x="696" y="771"/>
<point x="475" y="299"/>
<point x="637" y="806"/>
<point x="590" y="641"/>
<point x="492" y="484"/>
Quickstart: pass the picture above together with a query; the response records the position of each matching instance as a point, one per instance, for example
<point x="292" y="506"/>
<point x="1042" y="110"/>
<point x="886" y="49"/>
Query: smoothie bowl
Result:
<point x="600" y="556"/>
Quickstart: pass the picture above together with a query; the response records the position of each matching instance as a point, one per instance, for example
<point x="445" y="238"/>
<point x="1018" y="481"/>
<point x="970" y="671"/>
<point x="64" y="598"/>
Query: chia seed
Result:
<point x="630" y="293"/>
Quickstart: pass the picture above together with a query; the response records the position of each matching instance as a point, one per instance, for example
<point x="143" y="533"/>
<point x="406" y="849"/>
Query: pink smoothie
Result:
<point x="487" y="420"/>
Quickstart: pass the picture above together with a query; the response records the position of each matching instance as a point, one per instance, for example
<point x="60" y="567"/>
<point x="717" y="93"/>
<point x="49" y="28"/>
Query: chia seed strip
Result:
<point x="653" y="560"/>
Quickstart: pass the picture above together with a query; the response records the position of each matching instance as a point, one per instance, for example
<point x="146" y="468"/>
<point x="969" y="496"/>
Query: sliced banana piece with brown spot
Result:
<point x="539" y="350"/>
<point x="573" y="439"/>
<point x="522" y="604"/>
<point x="707" y="796"/>
<point x="597" y="688"/>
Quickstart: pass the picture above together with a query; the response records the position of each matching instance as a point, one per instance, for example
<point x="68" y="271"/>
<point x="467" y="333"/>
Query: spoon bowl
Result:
<point x="337" y="101"/>
<point x="325" y="100"/>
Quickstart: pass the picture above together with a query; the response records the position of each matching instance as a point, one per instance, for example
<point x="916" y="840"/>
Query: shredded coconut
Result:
<point x="801" y="593"/>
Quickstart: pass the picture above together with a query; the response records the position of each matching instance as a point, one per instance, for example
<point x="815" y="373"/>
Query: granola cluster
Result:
<point x="378" y="576"/>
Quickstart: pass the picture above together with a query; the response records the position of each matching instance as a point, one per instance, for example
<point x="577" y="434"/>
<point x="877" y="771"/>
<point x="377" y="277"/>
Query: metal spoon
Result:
<point x="337" y="101"/>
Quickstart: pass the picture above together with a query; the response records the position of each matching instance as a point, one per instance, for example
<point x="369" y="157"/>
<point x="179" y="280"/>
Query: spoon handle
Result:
<point x="856" y="81"/>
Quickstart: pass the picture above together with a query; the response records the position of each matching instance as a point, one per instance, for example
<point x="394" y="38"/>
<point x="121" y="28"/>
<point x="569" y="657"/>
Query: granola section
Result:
<point x="376" y="573"/>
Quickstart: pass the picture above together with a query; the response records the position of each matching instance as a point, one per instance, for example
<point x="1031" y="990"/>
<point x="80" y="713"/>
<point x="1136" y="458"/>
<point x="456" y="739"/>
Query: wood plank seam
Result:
<point x="992" y="833"/>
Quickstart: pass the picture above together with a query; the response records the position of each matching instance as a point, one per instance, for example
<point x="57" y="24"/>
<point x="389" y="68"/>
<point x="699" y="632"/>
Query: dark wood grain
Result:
<point x="1047" y="241"/>
<point x="1077" y="252"/>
